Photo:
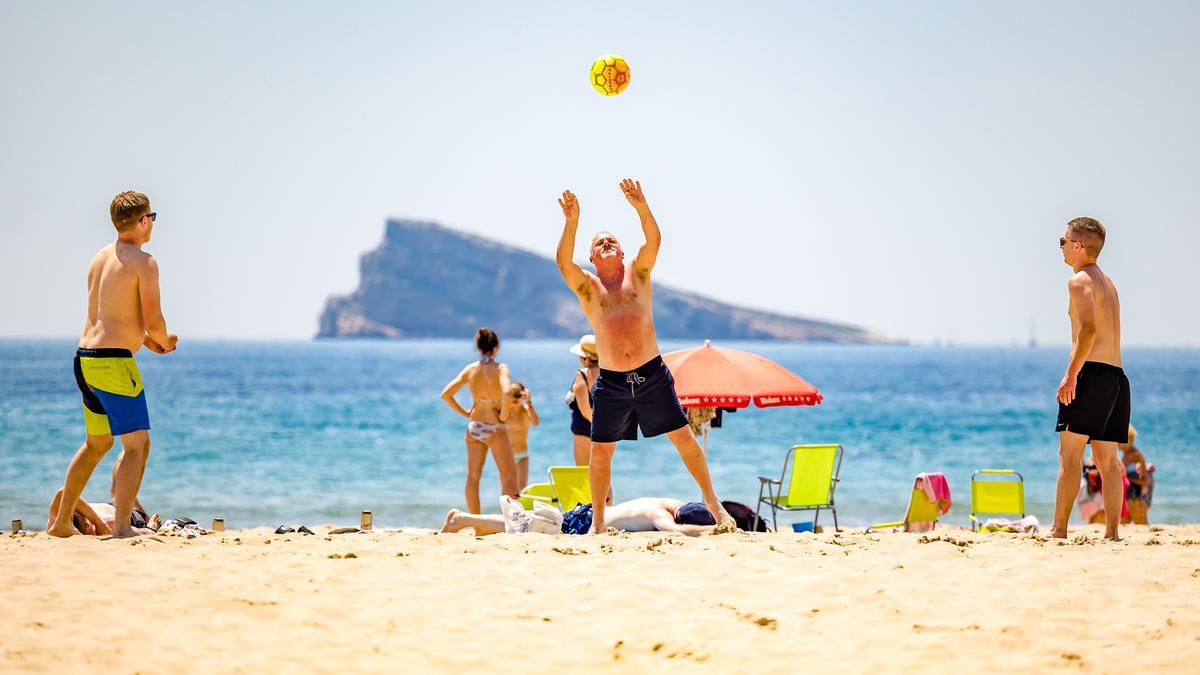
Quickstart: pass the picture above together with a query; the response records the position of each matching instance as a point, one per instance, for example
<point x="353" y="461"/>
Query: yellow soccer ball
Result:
<point x="610" y="75"/>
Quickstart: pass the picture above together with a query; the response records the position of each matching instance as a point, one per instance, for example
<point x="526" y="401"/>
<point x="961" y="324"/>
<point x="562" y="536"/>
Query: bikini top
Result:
<point x="484" y="360"/>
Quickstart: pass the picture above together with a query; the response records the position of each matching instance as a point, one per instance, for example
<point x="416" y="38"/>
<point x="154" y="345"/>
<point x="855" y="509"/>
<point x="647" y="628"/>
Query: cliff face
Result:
<point x="428" y="281"/>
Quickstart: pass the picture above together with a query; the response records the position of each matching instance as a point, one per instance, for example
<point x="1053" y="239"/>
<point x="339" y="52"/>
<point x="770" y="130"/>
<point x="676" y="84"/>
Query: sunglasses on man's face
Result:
<point x="1062" y="241"/>
<point x="152" y="215"/>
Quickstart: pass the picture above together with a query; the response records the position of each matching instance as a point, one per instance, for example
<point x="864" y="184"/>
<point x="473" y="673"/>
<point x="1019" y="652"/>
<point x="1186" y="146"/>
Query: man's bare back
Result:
<point x="118" y="277"/>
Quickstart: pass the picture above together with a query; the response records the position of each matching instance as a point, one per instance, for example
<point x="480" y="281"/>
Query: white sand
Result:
<point x="256" y="601"/>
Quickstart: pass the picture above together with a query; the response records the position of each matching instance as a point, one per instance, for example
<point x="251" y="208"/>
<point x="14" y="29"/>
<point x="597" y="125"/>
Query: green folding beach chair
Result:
<point x="920" y="510"/>
<point x="996" y="492"/>
<point x="542" y="492"/>
<point x="571" y="486"/>
<point x="807" y="485"/>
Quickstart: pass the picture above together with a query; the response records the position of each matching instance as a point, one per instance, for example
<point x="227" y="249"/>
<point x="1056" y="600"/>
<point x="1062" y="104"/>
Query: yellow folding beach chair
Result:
<point x="996" y="492"/>
<point x="571" y="486"/>
<point x="542" y="492"/>
<point x="808" y="486"/>
<point x="920" y="510"/>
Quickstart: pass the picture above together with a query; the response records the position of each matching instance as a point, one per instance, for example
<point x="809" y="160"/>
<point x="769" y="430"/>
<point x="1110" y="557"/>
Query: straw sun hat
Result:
<point x="586" y="348"/>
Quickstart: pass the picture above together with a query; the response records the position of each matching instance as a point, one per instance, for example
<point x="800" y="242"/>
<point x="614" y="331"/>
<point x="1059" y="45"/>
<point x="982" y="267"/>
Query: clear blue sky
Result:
<point x="903" y="166"/>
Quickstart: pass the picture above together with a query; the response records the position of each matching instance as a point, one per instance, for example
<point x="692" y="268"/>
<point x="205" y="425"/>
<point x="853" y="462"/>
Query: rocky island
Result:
<point x="426" y="280"/>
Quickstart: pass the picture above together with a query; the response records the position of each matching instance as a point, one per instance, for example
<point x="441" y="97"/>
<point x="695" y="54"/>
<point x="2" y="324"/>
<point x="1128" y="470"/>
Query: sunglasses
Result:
<point x="1062" y="241"/>
<point x="152" y="215"/>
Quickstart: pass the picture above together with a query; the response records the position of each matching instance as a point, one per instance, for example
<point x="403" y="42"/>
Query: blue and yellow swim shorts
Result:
<point x="113" y="399"/>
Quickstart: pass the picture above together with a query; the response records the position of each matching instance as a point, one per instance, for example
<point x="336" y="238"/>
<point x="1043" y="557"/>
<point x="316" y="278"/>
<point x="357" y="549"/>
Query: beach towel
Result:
<point x="543" y="518"/>
<point x="937" y="491"/>
<point x="1026" y="525"/>
<point x="184" y="527"/>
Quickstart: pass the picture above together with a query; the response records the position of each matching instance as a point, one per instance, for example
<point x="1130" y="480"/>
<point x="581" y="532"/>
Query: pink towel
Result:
<point x="937" y="489"/>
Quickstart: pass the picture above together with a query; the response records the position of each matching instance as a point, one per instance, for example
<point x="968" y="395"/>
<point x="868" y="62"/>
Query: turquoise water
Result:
<point x="267" y="433"/>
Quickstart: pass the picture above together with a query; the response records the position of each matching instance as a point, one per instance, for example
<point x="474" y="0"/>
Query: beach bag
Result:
<point x="543" y="518"/>
<point x="744" y="517"/>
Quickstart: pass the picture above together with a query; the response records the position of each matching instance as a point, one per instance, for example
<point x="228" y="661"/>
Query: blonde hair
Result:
<point x="1089" y="232"/>
<point x="127" y="209"/>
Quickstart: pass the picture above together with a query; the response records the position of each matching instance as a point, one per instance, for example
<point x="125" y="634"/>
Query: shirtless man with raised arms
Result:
<point x="635" y="388"/>
<point x="1093" y="397"/>
<point x="124" y="314"/>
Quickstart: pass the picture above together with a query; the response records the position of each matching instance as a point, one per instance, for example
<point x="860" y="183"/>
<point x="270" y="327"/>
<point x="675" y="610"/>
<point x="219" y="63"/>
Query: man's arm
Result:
<point x="452" y="388"/>
<point x="85" y="509"/>
<point x="152" y="316"/>
<point x="663" y="522"/>
<point x="565" y="257"/>
<point x="1084" y="306"/>
<point x="648" y="253"/>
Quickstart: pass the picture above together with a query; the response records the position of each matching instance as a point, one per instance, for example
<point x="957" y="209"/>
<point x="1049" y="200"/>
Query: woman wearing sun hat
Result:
<point x="579" y="398"/>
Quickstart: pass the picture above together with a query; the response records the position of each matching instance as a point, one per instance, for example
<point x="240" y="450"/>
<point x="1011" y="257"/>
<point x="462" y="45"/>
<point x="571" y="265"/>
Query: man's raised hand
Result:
<point x="570" y="205"/>
<point x="633" y="192"/>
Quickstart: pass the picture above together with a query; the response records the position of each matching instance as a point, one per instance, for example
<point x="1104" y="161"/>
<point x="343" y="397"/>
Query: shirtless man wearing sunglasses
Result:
<point x="1093" y="397"/>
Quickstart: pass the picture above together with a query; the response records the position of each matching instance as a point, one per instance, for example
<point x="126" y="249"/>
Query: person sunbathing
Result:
<point x="647" y="514"/>
<point x="100" y="519"/>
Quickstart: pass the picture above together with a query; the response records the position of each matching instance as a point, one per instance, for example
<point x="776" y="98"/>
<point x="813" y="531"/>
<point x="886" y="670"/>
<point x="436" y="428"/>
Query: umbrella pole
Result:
<point x="706" y="439"/>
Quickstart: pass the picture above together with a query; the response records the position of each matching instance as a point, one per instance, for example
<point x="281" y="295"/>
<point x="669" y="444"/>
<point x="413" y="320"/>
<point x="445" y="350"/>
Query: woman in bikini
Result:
<point x="488" y="383"/>
<point x="579" y="398"/>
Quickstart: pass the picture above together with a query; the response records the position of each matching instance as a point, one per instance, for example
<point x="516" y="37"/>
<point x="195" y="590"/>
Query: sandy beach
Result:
<point x="252" y="600"/>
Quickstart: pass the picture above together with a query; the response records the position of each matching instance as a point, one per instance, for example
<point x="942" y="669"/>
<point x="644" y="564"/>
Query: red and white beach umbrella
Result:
<point x="719" y="377"/>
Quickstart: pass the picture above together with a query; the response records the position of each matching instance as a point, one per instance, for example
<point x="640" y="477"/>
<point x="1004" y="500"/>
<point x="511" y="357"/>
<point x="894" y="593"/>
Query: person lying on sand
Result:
<point x="99" y="519"/>
<point x="647" y="514"/>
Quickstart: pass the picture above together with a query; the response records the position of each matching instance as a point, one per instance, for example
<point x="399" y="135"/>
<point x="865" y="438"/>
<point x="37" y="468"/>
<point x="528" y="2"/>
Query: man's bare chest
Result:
<point x="624" y="298"/>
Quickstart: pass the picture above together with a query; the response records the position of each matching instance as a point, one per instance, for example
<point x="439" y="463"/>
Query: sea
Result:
<point x="313" y="432"/>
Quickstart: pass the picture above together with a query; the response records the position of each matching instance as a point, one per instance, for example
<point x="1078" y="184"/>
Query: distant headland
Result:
<point x="426" y="280"/>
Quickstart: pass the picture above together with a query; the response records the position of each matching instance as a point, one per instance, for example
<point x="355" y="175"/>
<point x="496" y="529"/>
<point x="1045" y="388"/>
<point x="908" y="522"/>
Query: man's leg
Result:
<point x="78" y="472"/>
<point x="457" y="520"/>
<point x="1070" y="465"/>
<point x="112" y="488"/>
<point x="599" y="472"/>
<point x="1112" y="487"/>
<point x="128" y="481"/>
<point x="476" y="456"/>
<point x="697" y="465"/>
